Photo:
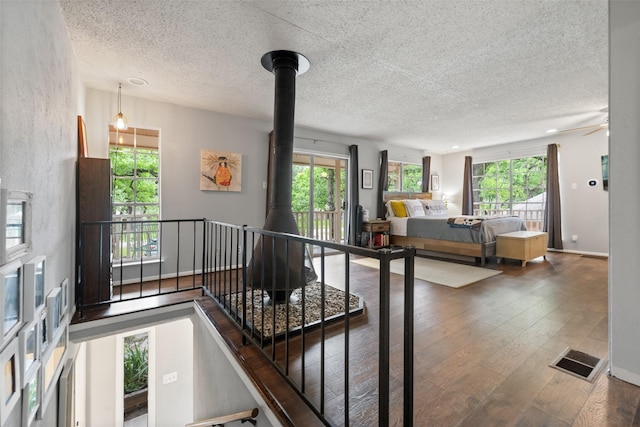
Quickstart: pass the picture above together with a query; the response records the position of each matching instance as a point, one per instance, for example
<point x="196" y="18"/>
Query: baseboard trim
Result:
<point x="583" y="253"/>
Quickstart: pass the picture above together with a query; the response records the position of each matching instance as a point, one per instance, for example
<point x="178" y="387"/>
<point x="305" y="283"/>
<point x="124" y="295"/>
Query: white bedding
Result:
<point x="398" y="225"/>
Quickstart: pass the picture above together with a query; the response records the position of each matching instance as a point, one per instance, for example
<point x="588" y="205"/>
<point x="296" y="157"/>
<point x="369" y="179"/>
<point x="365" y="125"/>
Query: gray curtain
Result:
<point x="426" y="172"/>
<point x="354" y="194"/>
<point x="467" y="187"/>
<point x="552" y="217"/>
<point x="383" y="182"/>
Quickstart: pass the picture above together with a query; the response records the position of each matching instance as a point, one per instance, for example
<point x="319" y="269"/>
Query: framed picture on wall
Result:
<point x="10" y="371"/>
<point x="367" y="178"/>
<point x="435" y="183"/>
<point x="11" y="289"/>
<point x="51" y="367"/>
<point x="31" y="394"/>
<point x="220" y="171"/>
<point x="54" y="312"/>
<point x="29" y="350"/>
<point x="34" y="278"/>
<point x="15" y="224"/>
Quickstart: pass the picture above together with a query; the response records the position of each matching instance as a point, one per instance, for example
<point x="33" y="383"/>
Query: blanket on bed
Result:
<point x="466" y="221"/>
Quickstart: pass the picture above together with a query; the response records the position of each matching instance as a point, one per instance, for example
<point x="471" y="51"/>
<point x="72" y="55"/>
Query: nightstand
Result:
<point x="378" y="233"/>
<point x="521" y="245"/>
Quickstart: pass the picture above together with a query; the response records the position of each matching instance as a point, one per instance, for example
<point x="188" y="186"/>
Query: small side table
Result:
<point x="522" y="245"/>
<point x="378" y="230"/>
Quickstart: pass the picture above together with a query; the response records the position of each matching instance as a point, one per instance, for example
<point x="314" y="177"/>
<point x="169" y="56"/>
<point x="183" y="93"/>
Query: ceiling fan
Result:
<point x="590" y="129"/>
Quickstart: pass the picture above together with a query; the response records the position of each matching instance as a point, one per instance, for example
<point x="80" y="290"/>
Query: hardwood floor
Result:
<point x="156" y="294"/>
<point x="481" y="352"/>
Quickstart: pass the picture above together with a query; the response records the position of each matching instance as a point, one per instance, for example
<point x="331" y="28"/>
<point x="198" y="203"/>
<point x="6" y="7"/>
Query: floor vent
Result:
<point x="578" y="364"/>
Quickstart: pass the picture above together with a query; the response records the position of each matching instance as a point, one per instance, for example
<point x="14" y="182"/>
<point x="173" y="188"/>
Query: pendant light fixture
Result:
<point x="119" y="120"/>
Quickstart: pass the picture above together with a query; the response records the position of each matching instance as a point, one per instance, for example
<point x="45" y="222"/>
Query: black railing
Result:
<point x="168" y="260"/>
<point x="245" y="267"/>
<point x="240" y="267"/>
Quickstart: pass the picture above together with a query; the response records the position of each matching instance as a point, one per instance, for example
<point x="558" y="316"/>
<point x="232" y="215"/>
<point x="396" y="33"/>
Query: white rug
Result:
<point x="438" y="272"/>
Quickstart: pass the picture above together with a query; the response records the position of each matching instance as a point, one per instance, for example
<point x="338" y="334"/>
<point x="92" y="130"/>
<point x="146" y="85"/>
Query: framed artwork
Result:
<point x="435" y="183"/>
<point x="31" y="395"/>
<point x="29" y="351"/>
<point x="367" y="178"/>
<point x="10" y="300"/>
<point x="220" y="171"/>
<point x="15" y="224"/>
<point x="83" y="149"/>
<point x="43" y="333"/>
<point x="64" y="290"/>
<point x="52" y="367"/>
<point x="10" y="384"/>
<point x="54" y="312"/>
<point x="34" y="280"/>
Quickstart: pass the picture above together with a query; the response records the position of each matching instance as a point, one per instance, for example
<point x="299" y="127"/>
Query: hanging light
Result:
<point x="119" y="120"/>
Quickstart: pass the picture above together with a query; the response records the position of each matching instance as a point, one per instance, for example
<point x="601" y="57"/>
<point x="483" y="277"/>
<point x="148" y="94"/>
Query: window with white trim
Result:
<point x="512" y="187"/>
<point x="135" y="195"/>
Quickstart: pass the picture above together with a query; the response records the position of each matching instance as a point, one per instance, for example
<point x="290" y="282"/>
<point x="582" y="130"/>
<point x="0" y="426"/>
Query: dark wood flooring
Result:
<point x="145" y="296"/>
<point x="481" y="352"/>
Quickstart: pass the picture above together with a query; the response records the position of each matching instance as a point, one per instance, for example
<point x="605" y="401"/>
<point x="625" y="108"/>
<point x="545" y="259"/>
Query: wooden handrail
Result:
<point x="243" y="416"/>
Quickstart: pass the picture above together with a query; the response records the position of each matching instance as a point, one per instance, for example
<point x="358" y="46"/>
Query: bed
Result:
<point x="441" y="233"/>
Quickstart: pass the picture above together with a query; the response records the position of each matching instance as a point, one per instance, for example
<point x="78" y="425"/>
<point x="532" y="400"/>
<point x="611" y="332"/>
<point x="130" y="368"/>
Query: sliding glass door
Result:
<point x="319" y="196"/>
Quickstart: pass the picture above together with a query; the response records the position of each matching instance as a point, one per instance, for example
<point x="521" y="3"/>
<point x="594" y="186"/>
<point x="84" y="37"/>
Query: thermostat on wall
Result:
<point x="593" y="182"/>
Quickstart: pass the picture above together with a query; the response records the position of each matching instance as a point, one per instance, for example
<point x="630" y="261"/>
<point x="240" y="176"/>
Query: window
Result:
<point x="135" y="166"/>
<point x="511" y="187"/>
<point x="405" y="177"/>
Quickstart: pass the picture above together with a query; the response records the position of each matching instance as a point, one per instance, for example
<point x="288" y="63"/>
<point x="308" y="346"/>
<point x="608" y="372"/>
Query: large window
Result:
<point x="319" y="196"/>
<point x="135" y="166"/>
<point x="511" y="187"/>
<point x="405" y="177"/>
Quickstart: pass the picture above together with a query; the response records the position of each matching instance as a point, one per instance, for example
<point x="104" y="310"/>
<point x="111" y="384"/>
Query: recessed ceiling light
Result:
<point x="552" y="130"/>
<point x="455" y="146"/>
<point x="137" y="81"/>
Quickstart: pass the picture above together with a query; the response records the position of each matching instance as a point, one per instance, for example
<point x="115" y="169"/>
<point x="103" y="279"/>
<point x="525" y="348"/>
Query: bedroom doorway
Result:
<point x="319" y="196"/>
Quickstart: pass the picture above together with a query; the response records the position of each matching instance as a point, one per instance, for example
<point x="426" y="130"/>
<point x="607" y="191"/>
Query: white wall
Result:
<point x="584" y="208"/>
<point x="624" y="175"/>
<point x="221" y="386"/>
<point x="174" y="353"/>
<point x="171" y="350"/>
<point x="40" y="97"/>
<point x="100" y="382"/>
<point x="185" y="131"/>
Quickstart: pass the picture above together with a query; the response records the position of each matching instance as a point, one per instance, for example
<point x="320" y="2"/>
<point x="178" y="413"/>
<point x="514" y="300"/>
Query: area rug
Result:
<point x="334" y="309"/>
<point x="439" y="272"/>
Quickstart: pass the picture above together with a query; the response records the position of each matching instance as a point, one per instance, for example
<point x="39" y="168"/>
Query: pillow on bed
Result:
<point x="414" y="208"/>
<point x="398" y="208"/>
<point x="389" y="209"/>
<point x="434" y="207"/>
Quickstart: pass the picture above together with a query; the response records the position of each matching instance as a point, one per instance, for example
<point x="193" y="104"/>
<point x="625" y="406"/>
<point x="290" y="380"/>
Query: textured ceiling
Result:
<point x="423" y="74"/>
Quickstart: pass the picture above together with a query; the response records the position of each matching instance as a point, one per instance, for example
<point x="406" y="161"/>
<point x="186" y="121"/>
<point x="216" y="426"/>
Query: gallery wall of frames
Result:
<point x="34" y="328"/>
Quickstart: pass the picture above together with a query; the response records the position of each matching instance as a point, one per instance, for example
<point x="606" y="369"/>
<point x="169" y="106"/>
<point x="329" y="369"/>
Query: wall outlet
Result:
<point x="574" y="238"/>
<point x="170" y="378"/>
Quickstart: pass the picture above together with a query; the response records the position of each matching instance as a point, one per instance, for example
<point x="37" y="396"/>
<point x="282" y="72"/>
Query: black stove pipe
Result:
<point x="285" y="65"/>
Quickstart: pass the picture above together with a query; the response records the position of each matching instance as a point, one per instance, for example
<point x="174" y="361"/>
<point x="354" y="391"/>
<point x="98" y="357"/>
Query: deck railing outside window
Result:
<point x="134" y="239"/>
<point x="533" y="218"/>
<point x="327" y="226"/>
